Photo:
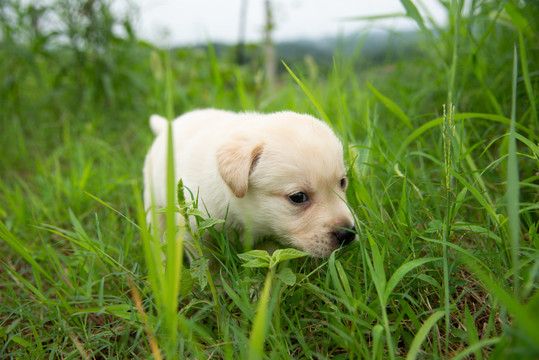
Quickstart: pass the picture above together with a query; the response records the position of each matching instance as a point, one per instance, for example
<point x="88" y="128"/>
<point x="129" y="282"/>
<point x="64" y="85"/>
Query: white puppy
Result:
<point x="281" y="174"/>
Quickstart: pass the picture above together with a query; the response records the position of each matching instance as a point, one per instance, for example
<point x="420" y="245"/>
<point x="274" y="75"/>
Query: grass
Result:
<point x="443" y="152"/>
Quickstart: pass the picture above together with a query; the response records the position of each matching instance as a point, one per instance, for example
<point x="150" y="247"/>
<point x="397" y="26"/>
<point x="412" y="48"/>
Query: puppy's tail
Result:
<point x="158" y="124"/>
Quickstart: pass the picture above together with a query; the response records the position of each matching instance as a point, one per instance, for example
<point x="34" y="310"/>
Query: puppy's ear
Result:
<point x="236" y="160"/>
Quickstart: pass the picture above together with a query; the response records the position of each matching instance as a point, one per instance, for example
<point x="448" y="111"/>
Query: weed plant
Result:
<point x="443" y="152"/>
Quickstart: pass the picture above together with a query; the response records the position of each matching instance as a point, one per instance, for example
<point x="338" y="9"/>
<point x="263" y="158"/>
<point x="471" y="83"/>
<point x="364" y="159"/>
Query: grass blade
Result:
<point x="476" y="348"/>
<point x="512" y="192"/>
<point x="376" y="268"/>
<point x="413" y="353"/>
<point x="479" y="197"/>
<point x="401" y="272"/>
<point x="473" y="336"/>
<point x="391" y="106"/>
<point x="19" y="247"/>
<point x="308" y="93"/>
<point x="173" y="236"/>
<point x="526" y="76"/>
<point x="413" y="13"/>
<point x="261" y="321"/>
<point x="461" y="117"/>
<point x="526" y="317"/>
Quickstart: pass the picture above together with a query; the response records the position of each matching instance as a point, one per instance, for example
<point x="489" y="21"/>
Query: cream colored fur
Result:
<point x="247" y="165"/>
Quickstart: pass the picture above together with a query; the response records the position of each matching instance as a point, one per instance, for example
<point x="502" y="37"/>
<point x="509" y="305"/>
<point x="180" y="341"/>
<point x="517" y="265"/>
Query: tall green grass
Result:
<point x="446" y="202"/>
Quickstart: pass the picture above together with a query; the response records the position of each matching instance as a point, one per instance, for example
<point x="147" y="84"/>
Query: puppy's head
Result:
<point x="289" y="181"/>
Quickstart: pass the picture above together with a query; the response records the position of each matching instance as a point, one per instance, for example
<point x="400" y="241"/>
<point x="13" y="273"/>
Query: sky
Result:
<point x="187" y="22"/>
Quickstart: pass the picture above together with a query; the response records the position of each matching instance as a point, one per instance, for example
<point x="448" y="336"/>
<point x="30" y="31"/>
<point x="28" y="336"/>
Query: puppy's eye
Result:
<point x="298" y="198"/>
<point x="343" y="183"/>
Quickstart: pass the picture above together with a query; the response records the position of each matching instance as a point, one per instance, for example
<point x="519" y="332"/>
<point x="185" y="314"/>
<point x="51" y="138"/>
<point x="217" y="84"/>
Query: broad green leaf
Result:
<point x="199" y="268"/>
<point x="256" y="263"/>
<point x="208" y="223"/>
<point x="281" y="255"/>
<point x="255" y="258"/>
<point x="186" y="285"/>
<point x="287" y="276"/>
<point x="196" y="212"/>
<point x="435" y="226"/>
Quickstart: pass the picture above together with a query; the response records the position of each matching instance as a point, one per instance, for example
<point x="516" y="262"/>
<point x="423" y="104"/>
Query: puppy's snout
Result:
<point x="346" y="235"/>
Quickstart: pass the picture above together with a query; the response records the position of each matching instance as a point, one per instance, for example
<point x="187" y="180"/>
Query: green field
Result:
<point x="442" y="141"/>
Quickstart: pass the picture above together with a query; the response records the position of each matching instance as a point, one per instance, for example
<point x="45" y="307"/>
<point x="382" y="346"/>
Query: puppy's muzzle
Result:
<point x="344" y="235"/>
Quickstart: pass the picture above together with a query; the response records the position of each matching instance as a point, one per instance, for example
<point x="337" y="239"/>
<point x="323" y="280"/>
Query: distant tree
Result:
<point x="240" y="50"/>
<point x="269" y="46"/>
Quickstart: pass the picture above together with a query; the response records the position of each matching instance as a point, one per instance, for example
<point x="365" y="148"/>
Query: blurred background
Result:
<point x="107" y="44"/>
<point x="170" y="22"/>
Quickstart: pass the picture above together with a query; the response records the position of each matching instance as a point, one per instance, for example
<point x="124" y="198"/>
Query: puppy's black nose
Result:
<point x="345" y="235"/>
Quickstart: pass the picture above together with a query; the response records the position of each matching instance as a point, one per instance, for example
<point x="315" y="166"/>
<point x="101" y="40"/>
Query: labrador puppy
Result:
<point x="280" y="175"/>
